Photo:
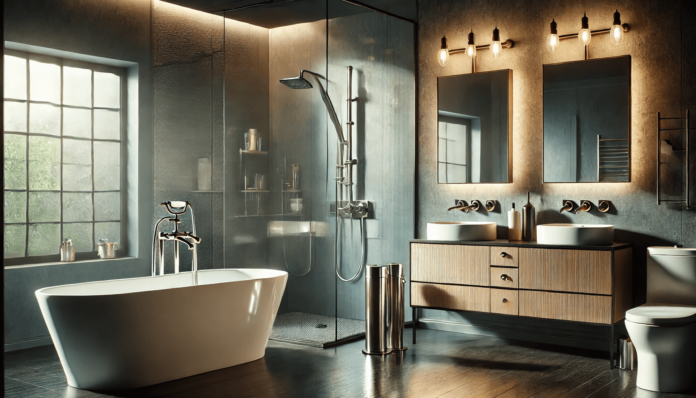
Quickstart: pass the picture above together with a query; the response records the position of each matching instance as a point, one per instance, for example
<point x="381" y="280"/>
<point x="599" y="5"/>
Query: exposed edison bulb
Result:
<point x="471" y="51"/>
<point x="443" y="55"/>
<point x="496" y="48"/>
<point x="553" y="40"/>
<point x="585" y="36"/>
<point x="616" y="33"/>
<point x="471" y="47"/>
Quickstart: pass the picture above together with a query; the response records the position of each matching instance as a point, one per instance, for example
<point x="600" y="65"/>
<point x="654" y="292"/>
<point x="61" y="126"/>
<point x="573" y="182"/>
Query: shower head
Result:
<point x="296" y="83"/>
<point x="300" y="82"/>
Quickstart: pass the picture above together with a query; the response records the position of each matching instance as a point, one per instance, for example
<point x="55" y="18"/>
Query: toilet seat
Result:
<point x="662" y="314"/>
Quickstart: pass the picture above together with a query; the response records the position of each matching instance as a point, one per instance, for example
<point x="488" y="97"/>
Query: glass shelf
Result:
<point x="270" y="215"/>
<point x="253" y="152"/>
<point x="207" y="191"/>
<point x="255" y="191"/>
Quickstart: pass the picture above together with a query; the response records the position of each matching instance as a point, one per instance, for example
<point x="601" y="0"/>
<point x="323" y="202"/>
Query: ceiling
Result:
<point x="274" y="13"/>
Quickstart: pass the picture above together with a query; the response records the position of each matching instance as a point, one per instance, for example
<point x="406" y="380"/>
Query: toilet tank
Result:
<point x="672" y="275"/>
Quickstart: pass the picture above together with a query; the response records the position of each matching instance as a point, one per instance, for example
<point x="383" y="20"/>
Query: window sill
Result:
<point x="127" y="260"/>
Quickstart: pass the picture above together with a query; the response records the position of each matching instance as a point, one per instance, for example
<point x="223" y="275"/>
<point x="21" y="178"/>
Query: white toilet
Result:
<point x="663" y="331"/>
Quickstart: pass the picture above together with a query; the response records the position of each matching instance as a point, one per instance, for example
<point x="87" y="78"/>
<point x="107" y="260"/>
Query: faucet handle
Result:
<point x="604" y="206"/>
<point x="490" y="205"/>
<point x="568" y="205"/>
<point x="475" y="205"/>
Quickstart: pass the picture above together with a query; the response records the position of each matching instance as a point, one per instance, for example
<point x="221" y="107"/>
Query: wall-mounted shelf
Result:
<point x="207" y="191"/>
<point x="255" y="191"/>
<point x="270" y="215"/>
<point x="244" y="151"/>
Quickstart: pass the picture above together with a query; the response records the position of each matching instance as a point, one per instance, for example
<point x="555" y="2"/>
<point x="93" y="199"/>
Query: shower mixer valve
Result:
<point x="356" y="209"/>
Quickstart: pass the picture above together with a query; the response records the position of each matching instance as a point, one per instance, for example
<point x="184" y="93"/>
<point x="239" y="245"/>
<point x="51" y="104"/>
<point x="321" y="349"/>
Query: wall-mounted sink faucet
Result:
<point x="568" y="205"/>
<point x="585" y="205"/>
<point x="461" y="205"/>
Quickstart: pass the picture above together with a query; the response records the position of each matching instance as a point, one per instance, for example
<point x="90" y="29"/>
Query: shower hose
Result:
<point x="363" y="243"/>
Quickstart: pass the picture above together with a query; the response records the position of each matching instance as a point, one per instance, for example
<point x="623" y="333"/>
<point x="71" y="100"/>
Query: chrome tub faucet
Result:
<point x="176" y="209"/>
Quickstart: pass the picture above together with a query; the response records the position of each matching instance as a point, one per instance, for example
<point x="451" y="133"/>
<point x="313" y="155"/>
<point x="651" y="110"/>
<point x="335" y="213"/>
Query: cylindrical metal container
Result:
<point x="376" y="310"/>
<point x="397" y="316"/>
<point x="528" y="221"/>
<point x="627" y="357"/>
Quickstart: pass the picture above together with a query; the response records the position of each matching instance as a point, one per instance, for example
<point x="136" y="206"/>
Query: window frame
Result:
<point x="123" y="117"/>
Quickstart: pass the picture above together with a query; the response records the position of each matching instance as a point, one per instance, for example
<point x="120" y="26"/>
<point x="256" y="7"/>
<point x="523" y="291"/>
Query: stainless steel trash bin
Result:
<point x="397" y="316"/>
<point x="627" y="356"/>
<point x="376" y="310"/>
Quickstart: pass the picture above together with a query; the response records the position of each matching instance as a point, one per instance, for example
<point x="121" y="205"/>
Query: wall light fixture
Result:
<point x="616" y="33"/>
<point x="471" y="49"/>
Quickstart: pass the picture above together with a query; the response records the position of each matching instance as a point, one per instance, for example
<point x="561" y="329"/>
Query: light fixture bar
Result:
<point x="506" y="44"/>
<point x="625" y="26"/>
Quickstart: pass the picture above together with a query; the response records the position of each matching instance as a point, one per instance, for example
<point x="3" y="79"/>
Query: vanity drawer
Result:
<point x="459" y="264"/>
<point x="504" y="301"/>
<point x="580" y="271"/>
<point x="504" y="277"/>
<point x="565" y="306"/>
<point x="466" y="298"/>
<point x="505" y="256"/>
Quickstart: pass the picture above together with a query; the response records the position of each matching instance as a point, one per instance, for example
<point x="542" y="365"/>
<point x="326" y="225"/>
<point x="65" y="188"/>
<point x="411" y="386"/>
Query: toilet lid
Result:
<point x="662" y="314"/>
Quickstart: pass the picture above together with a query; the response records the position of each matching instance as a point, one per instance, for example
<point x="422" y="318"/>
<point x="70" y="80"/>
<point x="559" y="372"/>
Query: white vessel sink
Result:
<point x="460" y="231"/>
<point x="575" y="234"/>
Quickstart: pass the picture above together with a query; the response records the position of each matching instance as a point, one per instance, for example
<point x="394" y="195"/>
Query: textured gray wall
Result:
<point x="115" y="29"/>
<point x="656" y="81"/>
<point x="187" y="107"/>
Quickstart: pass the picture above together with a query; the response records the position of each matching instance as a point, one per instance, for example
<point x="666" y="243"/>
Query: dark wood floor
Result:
<point x="442" y="364"/>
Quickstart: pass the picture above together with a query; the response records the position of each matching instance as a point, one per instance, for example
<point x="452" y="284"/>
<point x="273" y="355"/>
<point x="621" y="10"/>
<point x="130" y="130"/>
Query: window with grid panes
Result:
<point x="62" y="157"/>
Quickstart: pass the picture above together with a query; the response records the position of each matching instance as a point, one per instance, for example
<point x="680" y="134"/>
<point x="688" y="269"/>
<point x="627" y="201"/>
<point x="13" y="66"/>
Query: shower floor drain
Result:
<point x="320" y="326"/>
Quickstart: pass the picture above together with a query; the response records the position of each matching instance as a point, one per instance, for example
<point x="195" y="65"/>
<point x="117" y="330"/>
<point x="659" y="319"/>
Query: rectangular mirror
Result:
<point x="587" y="121"/>
<point x="474" y="128"/>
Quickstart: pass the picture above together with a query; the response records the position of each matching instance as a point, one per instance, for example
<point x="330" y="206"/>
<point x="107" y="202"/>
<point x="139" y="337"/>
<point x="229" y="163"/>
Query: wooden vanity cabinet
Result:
<point x="578" y="284"/>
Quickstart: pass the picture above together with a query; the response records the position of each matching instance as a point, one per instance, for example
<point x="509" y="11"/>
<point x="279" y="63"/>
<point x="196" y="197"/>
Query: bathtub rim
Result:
<point x="270" y="274"/>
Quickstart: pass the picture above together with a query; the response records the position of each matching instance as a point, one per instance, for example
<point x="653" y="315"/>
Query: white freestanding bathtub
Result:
<point x="137" y="332"/>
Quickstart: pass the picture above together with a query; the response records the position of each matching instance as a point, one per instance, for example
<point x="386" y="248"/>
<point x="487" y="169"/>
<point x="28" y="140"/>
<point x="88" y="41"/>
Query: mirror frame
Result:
<point x="630" y="122"/>
<point x="509" y="130"/>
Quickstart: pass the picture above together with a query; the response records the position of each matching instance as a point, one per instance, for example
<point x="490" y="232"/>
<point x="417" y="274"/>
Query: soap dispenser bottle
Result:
<point x="514" y="224"/>
<point x="528" y="221"/>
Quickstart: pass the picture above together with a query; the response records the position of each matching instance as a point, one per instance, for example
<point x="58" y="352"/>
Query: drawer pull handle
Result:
<point x="505" y="277"/>
<point x="505" y="300"/>
<point x="503" y="254"/>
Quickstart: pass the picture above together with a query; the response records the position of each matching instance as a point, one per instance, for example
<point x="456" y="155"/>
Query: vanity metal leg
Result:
<point x="612" y="347"/>
<point x="415" y="322"/>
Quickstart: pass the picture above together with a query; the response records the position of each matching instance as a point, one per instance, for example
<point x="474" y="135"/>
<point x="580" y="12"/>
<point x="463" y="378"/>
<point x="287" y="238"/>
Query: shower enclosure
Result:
<point x="295" y="186"/>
